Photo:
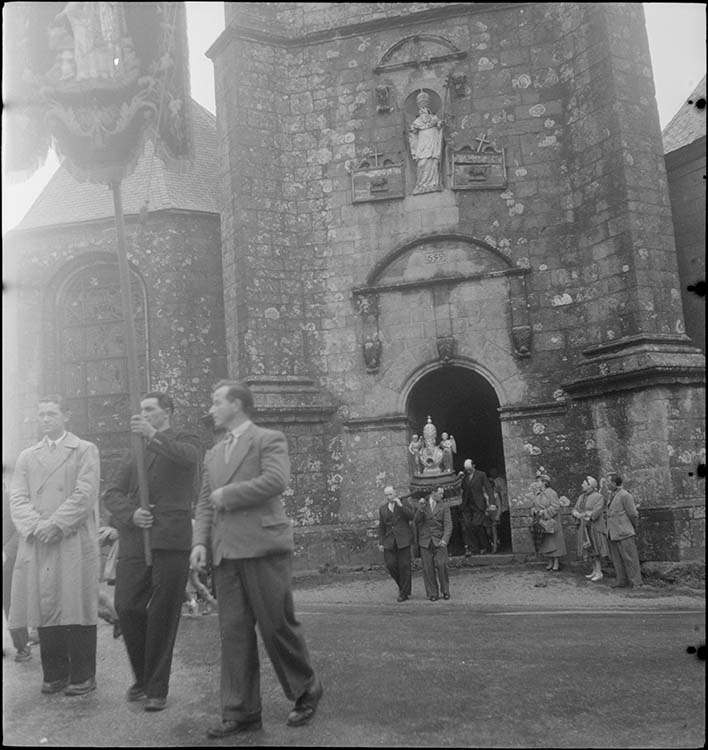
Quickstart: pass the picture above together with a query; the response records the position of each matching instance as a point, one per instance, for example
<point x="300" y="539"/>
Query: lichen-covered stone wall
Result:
<point x="556" y="281"/>
<point x="177" y="256"/>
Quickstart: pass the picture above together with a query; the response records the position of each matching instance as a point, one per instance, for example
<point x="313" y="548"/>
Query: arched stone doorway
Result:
<point x="462" y="403"/>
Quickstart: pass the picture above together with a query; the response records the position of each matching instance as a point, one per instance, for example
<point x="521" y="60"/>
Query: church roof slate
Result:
<point x="188" y="186"/>
<point x="689" y="123"/>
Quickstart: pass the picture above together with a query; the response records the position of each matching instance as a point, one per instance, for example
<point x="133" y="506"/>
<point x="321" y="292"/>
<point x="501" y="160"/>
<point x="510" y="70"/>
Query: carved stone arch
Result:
<point x="418" y="50"/>
<point x="439" y="262"/>
<point x="377" y="272"/>
<point x="84" y="353"/>
<point x="415" y="376"/>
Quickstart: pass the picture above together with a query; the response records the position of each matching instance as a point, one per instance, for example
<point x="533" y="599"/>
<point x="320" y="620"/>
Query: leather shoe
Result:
<point x="54" y="687"/>
<point x="155" y="704"/>
<point x="24" y="654"/>
<point x="306" y="705"/>
<point x="619" y="585"/>
<point x="135" y="692"/>
<point x="433" y="598"/>
<point x="402" y="598"/>
<point x="81" y="688"/>
<point x="446" y="596"/>
<point x="227" y="727"/>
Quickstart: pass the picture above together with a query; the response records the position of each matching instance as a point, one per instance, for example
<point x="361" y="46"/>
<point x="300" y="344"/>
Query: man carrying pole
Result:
<point x="148" y="597"/>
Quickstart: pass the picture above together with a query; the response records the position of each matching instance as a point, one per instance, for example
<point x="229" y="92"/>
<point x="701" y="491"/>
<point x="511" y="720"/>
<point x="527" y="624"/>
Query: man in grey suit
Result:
<point x="622" y="519"/>
<point x="434" y="522"/>
<point x="240" y="514"/>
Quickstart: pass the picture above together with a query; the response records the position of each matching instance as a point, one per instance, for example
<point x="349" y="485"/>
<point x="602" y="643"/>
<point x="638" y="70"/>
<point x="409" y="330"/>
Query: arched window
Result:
<point x="89" y="355"/>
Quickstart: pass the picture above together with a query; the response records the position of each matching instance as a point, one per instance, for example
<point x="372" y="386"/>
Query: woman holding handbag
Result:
<point x="545" y="511"/>
<point x="592" y="530"/>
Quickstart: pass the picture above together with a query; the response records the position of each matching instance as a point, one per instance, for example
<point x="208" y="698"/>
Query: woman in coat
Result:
<point x="592" y="530"/>
<point x="546" y="507"/>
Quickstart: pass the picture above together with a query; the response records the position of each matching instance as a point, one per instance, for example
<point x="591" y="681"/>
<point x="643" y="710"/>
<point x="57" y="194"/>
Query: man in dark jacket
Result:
<point x="395" y="538"/>
<point x="477" y="494"/>
<point x="149" y="599"/>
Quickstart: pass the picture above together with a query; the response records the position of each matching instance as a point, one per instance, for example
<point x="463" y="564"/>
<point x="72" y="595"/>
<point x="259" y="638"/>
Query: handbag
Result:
<point x="548" y="525"/>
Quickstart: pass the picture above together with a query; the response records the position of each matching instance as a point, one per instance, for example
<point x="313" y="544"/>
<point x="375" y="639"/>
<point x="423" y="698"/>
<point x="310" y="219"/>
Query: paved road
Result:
<point x="567" y="665"/>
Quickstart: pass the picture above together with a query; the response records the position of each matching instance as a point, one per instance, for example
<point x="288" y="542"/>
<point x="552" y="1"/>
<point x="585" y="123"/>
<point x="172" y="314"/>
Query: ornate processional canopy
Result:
<point x="94" y="78"/>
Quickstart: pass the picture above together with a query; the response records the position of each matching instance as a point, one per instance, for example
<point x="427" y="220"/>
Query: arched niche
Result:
<point x="418" y="50"/>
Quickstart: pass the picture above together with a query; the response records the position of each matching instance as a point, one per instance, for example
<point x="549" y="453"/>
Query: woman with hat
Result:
<point x="546" y="512"/>
<point x="592" y="530"/>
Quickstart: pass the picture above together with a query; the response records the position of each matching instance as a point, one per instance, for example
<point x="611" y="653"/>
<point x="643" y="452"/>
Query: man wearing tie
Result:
<point x="477" y="495"/>
<point x="395" y="538"/>
<point x="149" y="599"/>
<point x="240" y="514"/>
<point x="434" y="522"/>
<point x="54" y="506"/>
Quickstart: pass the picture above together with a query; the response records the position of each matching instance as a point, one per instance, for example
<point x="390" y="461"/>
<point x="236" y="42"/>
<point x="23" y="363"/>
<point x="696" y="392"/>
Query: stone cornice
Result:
<point x="654" y="342"/>
<point x="436" y="281"/>
<point x="269" y="415"/>
<point x="531" y="411"/>
<point x="641" y="361"/>
<point x="645" y="377"/>
<point x="384" y="422"/>
<point x="252" y="34"/>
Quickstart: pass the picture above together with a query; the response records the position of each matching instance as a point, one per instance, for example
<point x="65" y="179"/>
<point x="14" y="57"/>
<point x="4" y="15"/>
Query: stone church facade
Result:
<point x="529" y="303"/>
<point x="517" y="282"/>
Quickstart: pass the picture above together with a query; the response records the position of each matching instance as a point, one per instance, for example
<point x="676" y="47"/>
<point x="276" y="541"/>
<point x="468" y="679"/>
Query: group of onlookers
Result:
<point x="606" y="528"/>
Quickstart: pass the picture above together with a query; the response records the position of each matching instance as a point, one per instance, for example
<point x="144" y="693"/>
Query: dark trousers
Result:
<point x="149" y="604"/>
<point x="249" y="591"/>
<point x="434" y="561"/>
<point x="625" y="560"/>
<point x="475" y="535"/>
<point x="20" y="636"/>
<point x="68" y="652"/>
<point x="398" y="564"/>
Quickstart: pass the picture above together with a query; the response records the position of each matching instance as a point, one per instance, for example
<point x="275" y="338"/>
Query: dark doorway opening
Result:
<point x="462" y="403"/>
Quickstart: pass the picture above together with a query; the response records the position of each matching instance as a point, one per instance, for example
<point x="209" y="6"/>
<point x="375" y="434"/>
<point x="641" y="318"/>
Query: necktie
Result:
<point x="391" y="506"/>
<point x="432" y="504"/>
<point x="52" y="446"/>
<point x="228" y="446"/>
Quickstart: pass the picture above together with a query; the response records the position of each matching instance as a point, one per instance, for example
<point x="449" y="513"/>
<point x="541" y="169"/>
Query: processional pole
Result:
<point x="94" y="103"/>
<point x="136" y="441"/>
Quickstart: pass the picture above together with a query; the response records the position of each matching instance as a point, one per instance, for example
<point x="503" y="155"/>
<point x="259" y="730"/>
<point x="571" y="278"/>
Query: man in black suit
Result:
<point x="395" y="538"/>
<point x="477" y="494"/>
<point x="149" y="599"/>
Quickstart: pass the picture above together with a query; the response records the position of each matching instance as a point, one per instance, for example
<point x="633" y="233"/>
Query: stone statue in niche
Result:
<point x="426" y="137"/>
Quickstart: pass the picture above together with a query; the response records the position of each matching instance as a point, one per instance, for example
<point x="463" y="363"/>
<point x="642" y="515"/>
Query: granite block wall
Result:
<point x="557" y="282"/>
<point x="177" y="259"/>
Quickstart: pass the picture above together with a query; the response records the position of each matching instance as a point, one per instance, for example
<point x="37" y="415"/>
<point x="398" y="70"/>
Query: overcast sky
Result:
<point x="677" y="39"/>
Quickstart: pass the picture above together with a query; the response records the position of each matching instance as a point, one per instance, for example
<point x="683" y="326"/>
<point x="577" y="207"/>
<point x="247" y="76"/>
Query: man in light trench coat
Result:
<point x="54" y="506"/>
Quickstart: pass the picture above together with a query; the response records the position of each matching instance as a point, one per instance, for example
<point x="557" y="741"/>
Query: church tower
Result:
<point x="457" y="210"/>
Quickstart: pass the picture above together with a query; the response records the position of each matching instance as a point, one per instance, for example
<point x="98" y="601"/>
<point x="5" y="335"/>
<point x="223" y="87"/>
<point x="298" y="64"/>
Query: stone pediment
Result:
<point x="450" y="256"/>
<point x="416" y="51"/>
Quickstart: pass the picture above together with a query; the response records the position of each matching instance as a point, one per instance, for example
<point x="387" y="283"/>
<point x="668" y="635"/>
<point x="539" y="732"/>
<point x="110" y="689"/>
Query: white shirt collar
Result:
<point x="48" y="442"/>
<point x="238" y="431"/>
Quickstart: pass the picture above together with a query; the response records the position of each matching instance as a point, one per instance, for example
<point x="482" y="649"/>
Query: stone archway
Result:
<point x="462" y="403"/>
